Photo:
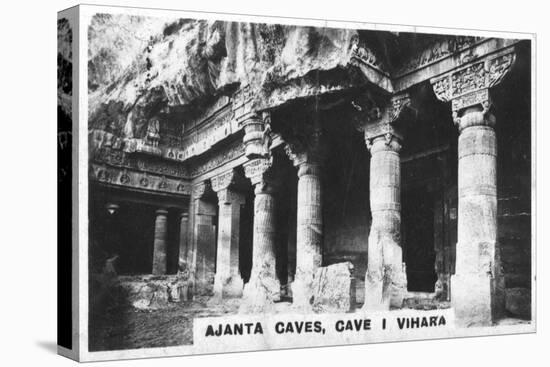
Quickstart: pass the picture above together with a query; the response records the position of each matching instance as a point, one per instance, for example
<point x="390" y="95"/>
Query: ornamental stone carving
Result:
<point x="201" y="189"/>
<point x="227" y="179"/>
<point x="383" y="119"/>
<point x="469" y="86"/>
<point x="130" y="178"/>
<point x="257" y="169"/>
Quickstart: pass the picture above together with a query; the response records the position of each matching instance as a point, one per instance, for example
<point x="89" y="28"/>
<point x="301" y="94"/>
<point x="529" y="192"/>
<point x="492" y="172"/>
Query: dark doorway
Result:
<point x="418" y="239"/>
<point x="126" y="232"/>
<point x="132" y="238"/>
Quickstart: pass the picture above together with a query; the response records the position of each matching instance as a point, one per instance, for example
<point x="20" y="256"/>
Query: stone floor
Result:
<point x="124" y="327"/>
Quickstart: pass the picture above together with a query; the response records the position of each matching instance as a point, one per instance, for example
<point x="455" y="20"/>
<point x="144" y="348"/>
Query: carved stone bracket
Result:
<point x="307" y="150"/>
<point x="230" y="196"/>
<point x="201" y="189"/>
<point x="469" y="86"/>
<point x="383" y="119"/>
<point x="226" y="180"/>
<point x="259" y="171"/>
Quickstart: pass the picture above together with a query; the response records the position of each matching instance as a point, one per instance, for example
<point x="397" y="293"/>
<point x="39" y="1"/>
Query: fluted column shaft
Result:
<point x="385" y="281"/>
<point x="476" y="292"/>
<point x="228" y="281"/>
<point x="159" y="247"/>
<point x="184" y="225"/>
<point x="309" y="232"/>
<point x="263" y="287"/>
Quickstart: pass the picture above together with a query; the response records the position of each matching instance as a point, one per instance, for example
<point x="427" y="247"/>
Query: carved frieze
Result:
<point x="437" y="50"/>
<point x="242" y="103"/>
<point x="194" y="142"/>
<point x="135" y="179"/>
<point x="203" y="138"/>
<point x="217" y="106"/>
<point x="233" y="151"/>
<point x="361" y="52"/>
<point x="120" y="158"/>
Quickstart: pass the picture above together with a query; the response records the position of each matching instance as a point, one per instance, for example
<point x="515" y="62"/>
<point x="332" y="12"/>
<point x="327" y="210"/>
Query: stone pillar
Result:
<point x="477" y="287"/>
<point x="228" y="281"/>
<point x="184" y="225"/>
<point x="264" y="287"/>
<point x="309" y="232"/>
<point x="159" y="248"/>
<point x="474" y="288"/>
<point x="309" y="229"/>
<point x="201" y="256"/>
<point x="386" y="279"/>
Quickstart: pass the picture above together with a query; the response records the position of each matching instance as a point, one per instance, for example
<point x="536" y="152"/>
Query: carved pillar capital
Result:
<point x="199" y="190"/>
<point x="260" y="175"/>
<point x="301" y="156"/>
<point x="467" y="88"/>
<point x="161" y="211"/>
<point x="305" y="146"/>
<point x="386" y="142"/>
<point x="381" y="121"/>
<point x="227" y="179"/>
<point x="228" y="196"/>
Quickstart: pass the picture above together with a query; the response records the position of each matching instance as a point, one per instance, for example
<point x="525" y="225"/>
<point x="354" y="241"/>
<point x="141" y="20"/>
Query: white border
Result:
<point x="87" y="11"/>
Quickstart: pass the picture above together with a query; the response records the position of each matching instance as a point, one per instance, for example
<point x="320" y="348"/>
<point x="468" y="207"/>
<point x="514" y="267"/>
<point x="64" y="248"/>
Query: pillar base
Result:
<point x="259" y="294"/>
<point x="302" y="294"/>
<point x="471" y="299"/>
<point x="228" y="287"/>
<point x="475" y="299"/>
<point x="385" y="290"/>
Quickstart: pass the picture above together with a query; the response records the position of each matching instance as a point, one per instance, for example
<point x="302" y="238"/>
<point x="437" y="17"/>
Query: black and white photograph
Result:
<point x="263" y="185"/>
<point x="280" y="182"/>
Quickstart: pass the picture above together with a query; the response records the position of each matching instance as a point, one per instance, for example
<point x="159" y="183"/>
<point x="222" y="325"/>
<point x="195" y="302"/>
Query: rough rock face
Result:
<point x="140" y="65"/>
<point x="334" y="288"/>
<point x="64" y="65"/>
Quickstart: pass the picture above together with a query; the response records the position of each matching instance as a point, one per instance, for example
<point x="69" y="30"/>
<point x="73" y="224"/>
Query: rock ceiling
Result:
<point x="143" y="66"/>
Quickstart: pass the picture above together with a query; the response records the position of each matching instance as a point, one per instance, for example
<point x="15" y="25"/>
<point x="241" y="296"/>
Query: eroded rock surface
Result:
<point x="140" y="66"/>
<point x="334" y="288"/>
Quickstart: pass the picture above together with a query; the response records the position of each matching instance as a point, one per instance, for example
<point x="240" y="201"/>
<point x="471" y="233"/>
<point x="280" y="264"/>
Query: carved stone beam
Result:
<point x="469" y="85"/>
